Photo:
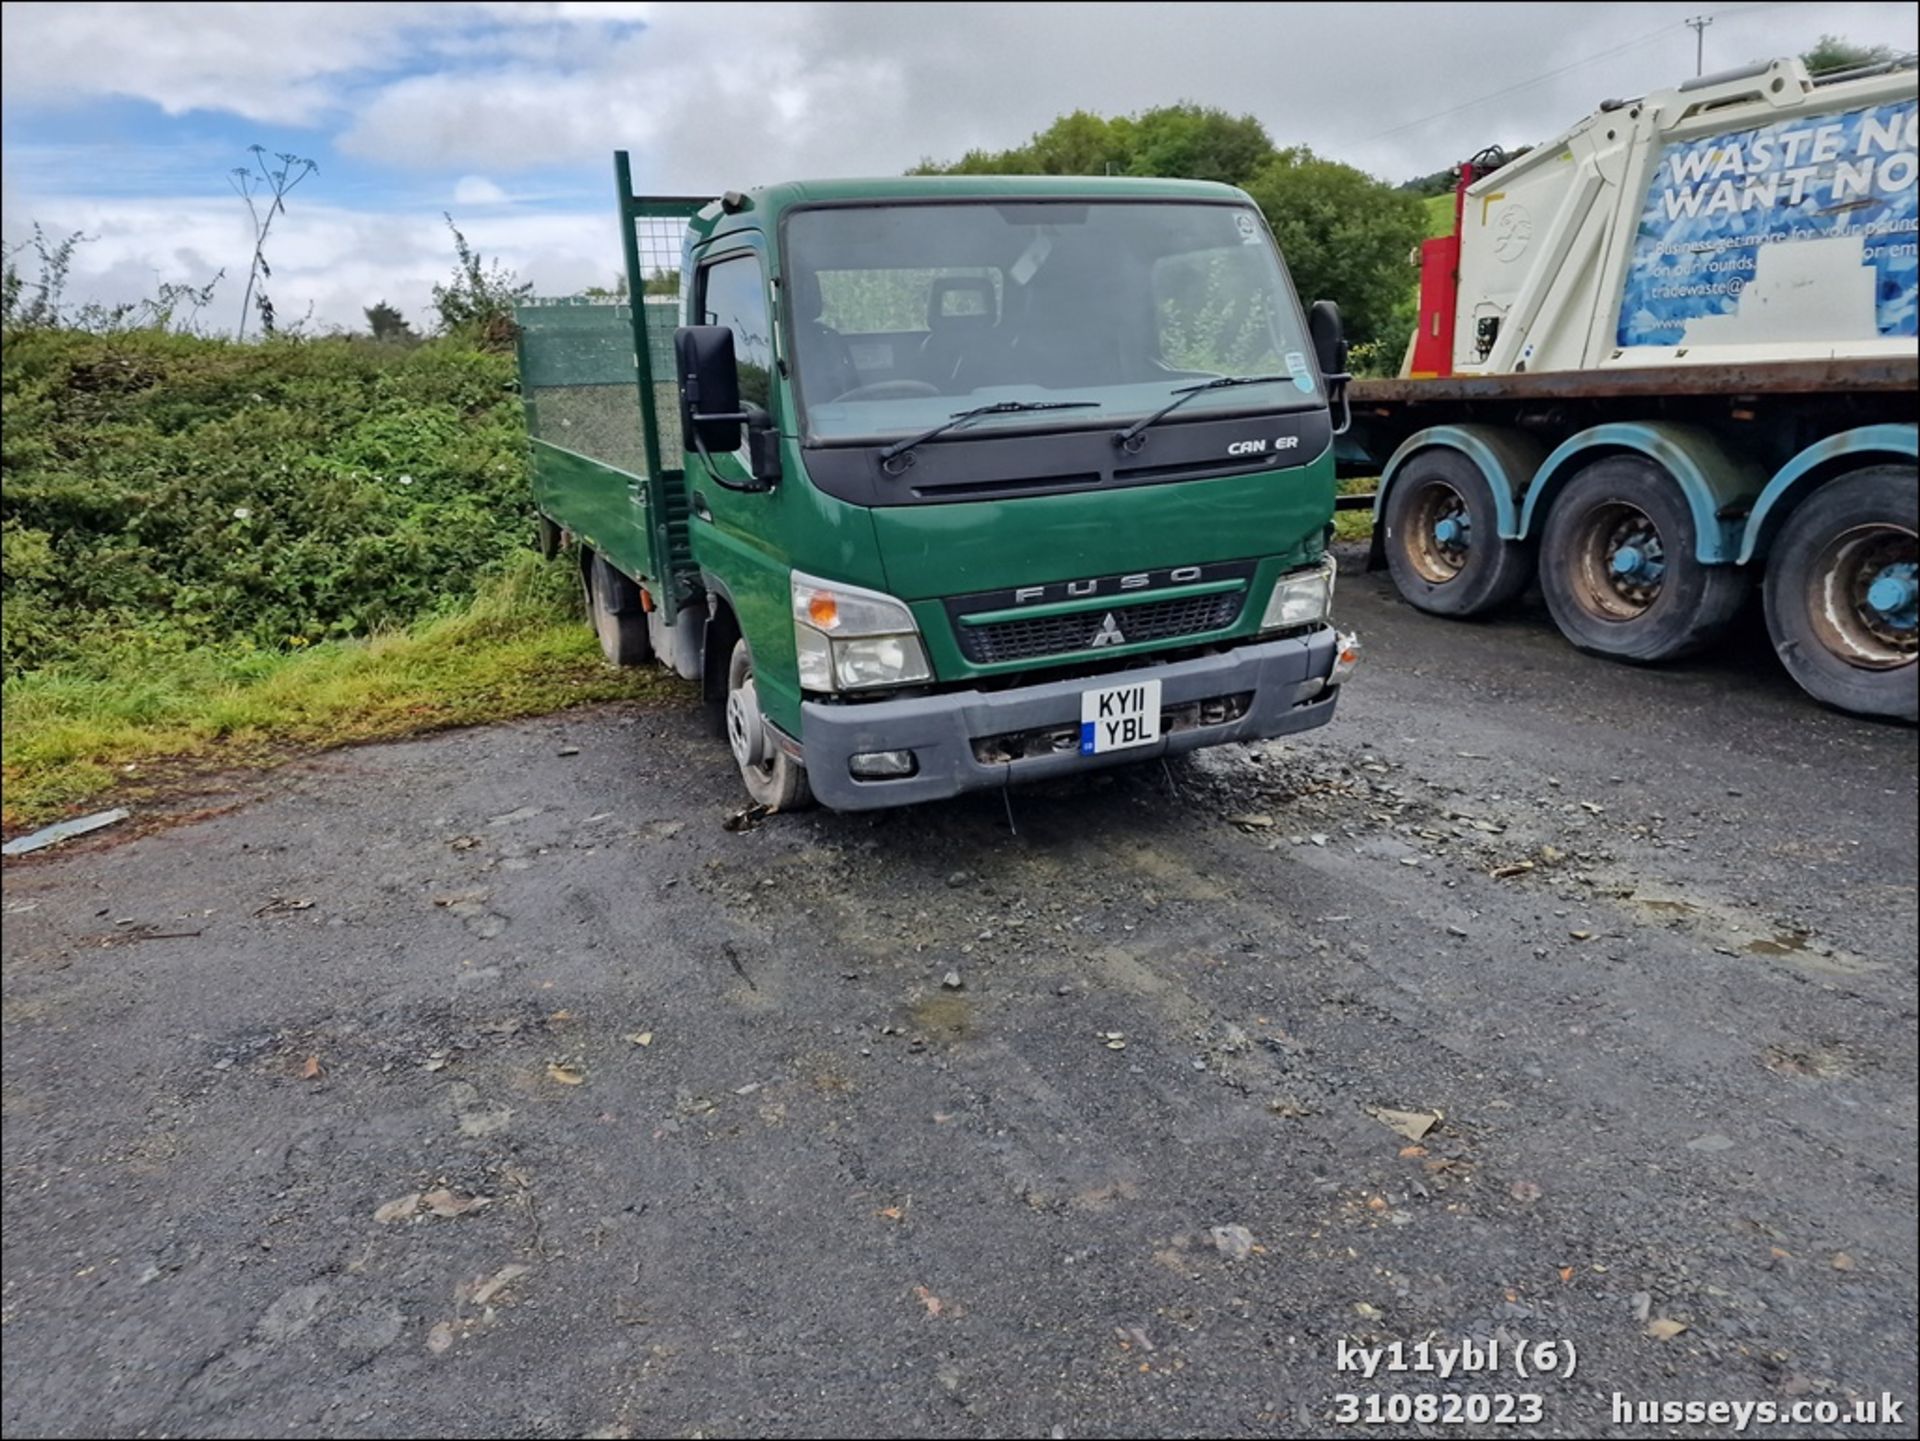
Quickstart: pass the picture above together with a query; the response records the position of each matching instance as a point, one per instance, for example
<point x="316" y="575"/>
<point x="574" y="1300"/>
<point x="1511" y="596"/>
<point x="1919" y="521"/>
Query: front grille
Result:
<point x="1013" y="640"/>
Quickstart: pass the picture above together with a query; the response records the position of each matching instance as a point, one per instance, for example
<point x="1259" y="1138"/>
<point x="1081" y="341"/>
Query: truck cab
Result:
<point x="946" y="483"/>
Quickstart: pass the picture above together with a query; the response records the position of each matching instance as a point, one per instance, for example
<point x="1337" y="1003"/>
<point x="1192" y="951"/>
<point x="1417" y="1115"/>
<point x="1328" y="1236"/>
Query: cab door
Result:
<point x="738" y="531"/>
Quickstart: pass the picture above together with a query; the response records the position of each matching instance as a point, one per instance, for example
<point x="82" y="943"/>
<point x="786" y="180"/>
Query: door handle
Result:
<point x="700" y="508"/>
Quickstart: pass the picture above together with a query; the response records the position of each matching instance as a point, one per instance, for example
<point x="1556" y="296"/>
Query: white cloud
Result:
<point x="336" y="260"/>
<point x="459" y="99"/>
<point x="279" y="63"/>
<point x="714" y="96"/>
<point x="478" y="190"/>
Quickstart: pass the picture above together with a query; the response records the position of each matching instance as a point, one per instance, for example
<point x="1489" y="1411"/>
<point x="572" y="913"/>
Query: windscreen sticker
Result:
<point x="1032" y="258"/>
<point x="1302" y="375"/>
<point x="1249" y="228"/>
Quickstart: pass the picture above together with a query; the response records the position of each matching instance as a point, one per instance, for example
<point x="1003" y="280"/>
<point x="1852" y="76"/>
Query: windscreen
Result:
<point x="905" y="314"/>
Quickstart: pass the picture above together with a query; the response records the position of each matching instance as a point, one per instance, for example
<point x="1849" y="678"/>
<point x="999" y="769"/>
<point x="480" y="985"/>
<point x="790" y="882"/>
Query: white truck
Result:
<point x="1666" y="353"/>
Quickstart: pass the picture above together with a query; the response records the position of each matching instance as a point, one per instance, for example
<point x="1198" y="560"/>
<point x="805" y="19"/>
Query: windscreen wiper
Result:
<point x="999" y="407"/>
<point x="1181" y="396"/>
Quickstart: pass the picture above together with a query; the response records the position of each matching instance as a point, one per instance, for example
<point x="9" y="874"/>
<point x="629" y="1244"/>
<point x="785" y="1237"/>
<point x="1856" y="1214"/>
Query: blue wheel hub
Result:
<point x="1895" y="595"/>
<point x="1453" y="532"/>
<point x="1638" y="560"/>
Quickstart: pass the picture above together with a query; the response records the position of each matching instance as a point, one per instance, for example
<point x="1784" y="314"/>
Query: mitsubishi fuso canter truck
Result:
<point x="948" y="483"/>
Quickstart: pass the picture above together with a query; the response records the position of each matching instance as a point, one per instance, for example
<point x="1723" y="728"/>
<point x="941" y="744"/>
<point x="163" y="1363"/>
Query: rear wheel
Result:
<point x="1618" y="566"/>
<point x="1443" y="541"/>
<point x="1843" y="593"/>
<point x="773" y="778"/>
<point x="613" y="604"/>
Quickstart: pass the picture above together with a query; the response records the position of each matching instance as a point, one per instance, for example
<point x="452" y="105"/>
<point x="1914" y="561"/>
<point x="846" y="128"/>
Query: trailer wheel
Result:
<point x="1443" y="538"/>
<point x="773" y="778"/>
<point x="1841" y="592"/>
<point x="1619" y="570"/>
<point x="613" y="603"/>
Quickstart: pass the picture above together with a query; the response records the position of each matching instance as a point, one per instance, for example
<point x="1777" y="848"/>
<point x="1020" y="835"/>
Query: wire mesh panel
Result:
<point x="658" y="242"/>
<point x="577" y="376"/>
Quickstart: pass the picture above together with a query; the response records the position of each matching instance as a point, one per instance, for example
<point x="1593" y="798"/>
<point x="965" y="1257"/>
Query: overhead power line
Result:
<point x="1664" y="32"/>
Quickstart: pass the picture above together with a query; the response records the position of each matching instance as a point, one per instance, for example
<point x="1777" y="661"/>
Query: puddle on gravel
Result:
<point x="1807" y="1062"/>
<point x="944" y="1015"/>
<point x="1731" y="932"/>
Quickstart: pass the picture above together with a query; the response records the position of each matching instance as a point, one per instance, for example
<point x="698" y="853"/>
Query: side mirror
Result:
<point x="1329" y="338"/>
<point x="711" y="416"/>
<point x="1329" y="341"/>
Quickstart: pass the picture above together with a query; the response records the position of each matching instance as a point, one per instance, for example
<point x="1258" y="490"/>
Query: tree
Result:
<point x="1346" y="236"/>
<point x="389" y="324"/>
<point x="1836" y="52"/>
<point x="661" y="282"/>
<point x="265" y="192"/>
<point x="1197" y="143"/>
<point x="1185" y="140"/>
<point x="478" y="302"/>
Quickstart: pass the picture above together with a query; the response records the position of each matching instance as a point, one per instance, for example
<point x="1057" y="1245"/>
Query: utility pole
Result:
<point x="1699" y="25"/>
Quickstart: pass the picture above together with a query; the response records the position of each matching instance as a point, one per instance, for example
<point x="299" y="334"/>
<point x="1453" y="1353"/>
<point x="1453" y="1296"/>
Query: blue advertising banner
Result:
<point x="1799" y="230"/>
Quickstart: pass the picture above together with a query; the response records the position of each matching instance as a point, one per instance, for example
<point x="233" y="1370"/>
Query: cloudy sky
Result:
<point x="123" y="120"/>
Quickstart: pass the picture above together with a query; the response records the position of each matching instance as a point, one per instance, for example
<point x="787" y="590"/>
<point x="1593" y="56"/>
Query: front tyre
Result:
<point x="773" y="778"/>
<point x="1841" y="594"/>
<point x="1443" y="542"/>
<point x="1619" y="571"/>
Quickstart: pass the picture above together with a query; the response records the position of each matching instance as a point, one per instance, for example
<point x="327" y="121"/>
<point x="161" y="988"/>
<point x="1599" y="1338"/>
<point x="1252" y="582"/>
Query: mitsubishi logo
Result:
<point x="1109" y="633"/>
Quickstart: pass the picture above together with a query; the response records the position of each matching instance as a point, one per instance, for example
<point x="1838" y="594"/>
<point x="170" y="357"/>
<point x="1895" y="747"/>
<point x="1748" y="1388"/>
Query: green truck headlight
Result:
<point x="849" y="638"/>
<point x="1304" y="597"/>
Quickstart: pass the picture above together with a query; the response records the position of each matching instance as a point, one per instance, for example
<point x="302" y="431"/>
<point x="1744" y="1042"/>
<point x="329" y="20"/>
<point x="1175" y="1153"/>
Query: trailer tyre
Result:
<point x="1619" y="570"/>
<point x="613" y="604"/>
<point x="1840" y="593"/>
<point x="1443" y="541"/>
<point x="773" y="778"/>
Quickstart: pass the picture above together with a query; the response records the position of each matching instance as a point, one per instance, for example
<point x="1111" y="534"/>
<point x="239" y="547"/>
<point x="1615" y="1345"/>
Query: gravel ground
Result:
<point x="489" y="1084"/>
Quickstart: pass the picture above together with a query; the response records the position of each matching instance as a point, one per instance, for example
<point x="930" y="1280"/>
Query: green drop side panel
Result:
<point x="602" y="405"/>
<point x="654" y="232"/>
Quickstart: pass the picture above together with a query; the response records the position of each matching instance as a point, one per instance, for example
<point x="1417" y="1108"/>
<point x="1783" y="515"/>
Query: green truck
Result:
<point x="947" y="483"/>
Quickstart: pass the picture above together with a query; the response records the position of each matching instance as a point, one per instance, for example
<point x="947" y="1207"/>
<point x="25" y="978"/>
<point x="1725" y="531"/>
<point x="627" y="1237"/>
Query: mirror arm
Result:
<point x="753" y="417"/>
<point x="1337" y="390"/>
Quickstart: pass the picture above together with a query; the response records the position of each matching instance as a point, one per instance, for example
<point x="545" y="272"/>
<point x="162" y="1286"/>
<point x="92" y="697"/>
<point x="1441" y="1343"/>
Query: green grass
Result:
<point x="1354" y="524"/>
<point x="1439" y="215"/>
<point x="132" y="725"/>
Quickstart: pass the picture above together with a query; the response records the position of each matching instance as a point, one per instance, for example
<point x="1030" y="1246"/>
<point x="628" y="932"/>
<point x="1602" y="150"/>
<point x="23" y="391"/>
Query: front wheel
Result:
<point x="1843" y="596"/>
<point x="773" y="778"/>
<point x="1619" y="570"/>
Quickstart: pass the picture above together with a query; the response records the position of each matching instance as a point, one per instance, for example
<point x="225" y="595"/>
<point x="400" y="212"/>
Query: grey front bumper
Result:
<point x="1287" y="680"/>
